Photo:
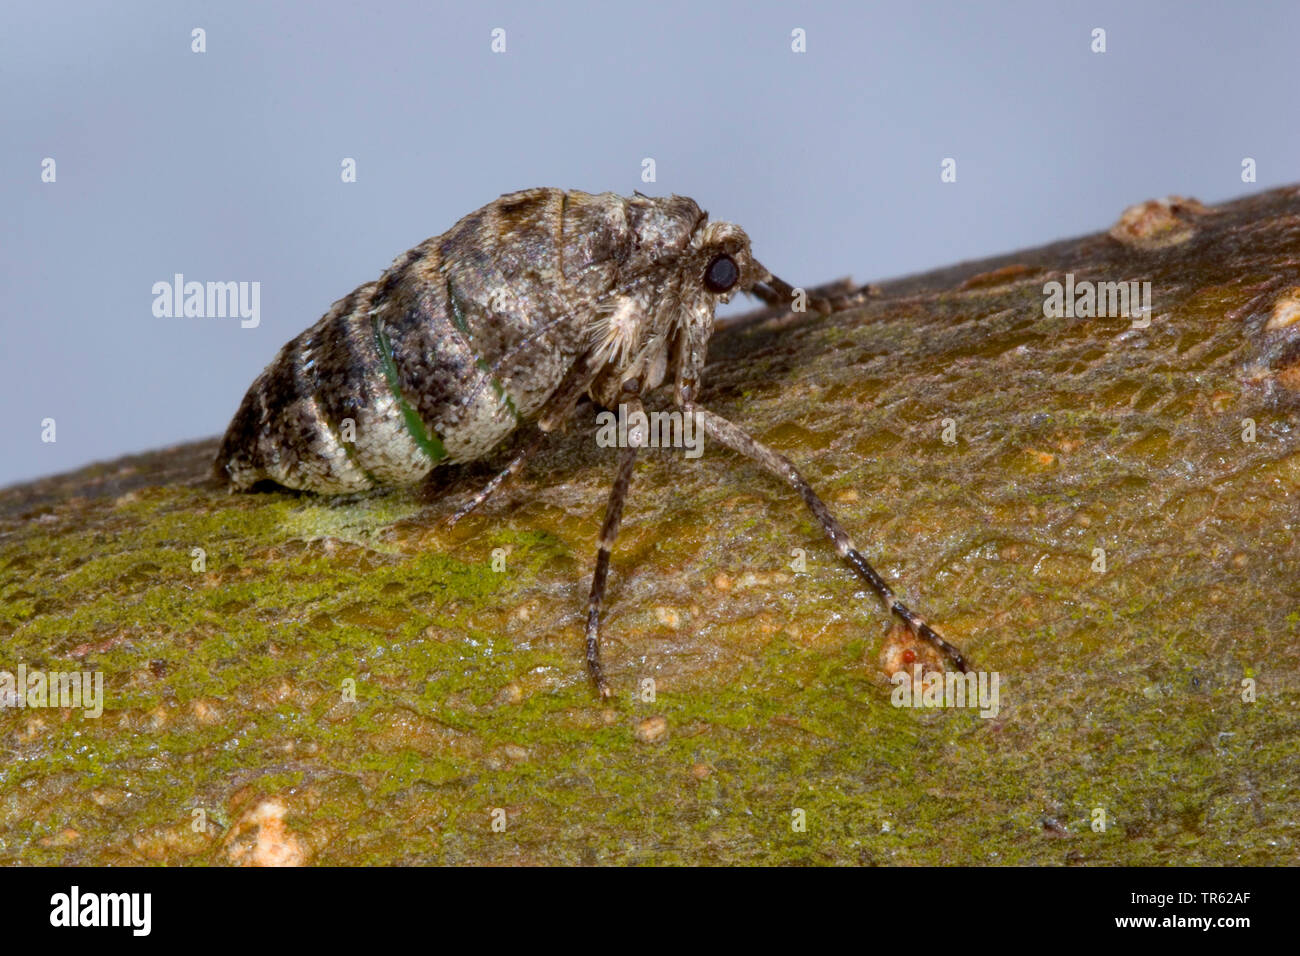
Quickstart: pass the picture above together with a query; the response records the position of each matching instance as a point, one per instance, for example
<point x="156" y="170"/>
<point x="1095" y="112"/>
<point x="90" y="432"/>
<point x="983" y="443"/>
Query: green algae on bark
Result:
<point x="343" y="681"/>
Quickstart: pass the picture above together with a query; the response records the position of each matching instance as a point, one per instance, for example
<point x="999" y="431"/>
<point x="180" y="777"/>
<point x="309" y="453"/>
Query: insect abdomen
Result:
<point x="324" y="387"/>
<point x="464" y="337"/>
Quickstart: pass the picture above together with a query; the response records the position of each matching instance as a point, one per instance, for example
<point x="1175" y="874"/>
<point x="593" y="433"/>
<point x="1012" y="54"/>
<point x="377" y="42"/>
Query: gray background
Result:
<point x="225" y="165"/>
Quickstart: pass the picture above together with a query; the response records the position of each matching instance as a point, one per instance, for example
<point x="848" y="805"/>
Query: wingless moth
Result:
<point x="505" y="321"/>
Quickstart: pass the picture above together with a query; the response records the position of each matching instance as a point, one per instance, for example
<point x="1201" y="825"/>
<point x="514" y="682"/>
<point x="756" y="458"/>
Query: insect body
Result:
<point x="506" y="321"/>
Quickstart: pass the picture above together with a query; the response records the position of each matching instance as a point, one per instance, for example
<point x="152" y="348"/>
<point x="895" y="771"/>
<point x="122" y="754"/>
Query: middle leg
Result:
<point x="608" y="535"/>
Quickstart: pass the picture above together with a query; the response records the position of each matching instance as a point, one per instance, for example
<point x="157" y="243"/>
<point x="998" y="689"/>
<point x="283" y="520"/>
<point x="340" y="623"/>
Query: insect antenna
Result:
<point x="775" y="291"/>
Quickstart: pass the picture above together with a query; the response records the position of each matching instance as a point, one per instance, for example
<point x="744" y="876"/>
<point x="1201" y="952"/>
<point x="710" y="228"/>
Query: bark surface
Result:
<point x="1112" y="529"/>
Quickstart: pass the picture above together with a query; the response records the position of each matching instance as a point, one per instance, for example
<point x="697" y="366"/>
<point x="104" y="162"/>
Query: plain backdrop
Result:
<point x="225" y="165"/>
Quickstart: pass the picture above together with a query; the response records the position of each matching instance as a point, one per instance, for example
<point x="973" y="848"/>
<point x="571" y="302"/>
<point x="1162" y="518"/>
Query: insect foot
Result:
<point x="505" y="322"/>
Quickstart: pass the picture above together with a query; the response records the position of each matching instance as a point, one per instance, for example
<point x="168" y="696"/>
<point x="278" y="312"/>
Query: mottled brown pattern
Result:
<point x="482" y="323"/>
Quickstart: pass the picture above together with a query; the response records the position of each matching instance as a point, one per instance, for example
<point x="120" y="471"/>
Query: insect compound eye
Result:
<point x="722" y="274"/>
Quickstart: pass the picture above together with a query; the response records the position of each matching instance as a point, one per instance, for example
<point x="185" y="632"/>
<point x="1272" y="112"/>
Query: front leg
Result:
<point x="737" y="439"/>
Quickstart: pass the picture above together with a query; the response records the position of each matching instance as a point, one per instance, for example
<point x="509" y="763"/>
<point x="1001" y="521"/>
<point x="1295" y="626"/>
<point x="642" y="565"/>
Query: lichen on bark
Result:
<point x="1124" y="690"/>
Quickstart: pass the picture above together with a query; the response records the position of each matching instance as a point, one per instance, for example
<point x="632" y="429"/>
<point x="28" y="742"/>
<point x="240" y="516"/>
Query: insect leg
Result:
<point x="737" y="439"/>
<point x="515" y="466"/>
<point x="608" y="535"/>
<point x="554" y="414"/>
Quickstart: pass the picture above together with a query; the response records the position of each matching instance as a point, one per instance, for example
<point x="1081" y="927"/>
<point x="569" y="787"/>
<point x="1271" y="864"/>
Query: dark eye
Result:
<point x="722" y="274"/>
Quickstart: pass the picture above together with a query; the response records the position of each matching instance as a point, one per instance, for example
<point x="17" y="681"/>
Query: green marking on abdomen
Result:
<point x="428" y="442"/>
<point x="497" y="387"/>
<point x="457" y="313"/>
<point x="458" y="320"/>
